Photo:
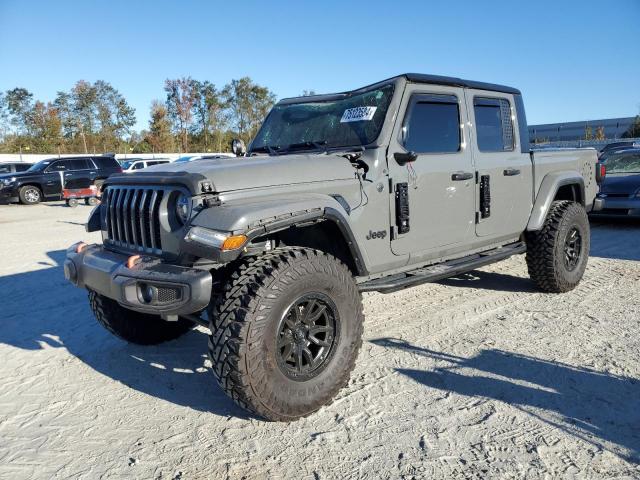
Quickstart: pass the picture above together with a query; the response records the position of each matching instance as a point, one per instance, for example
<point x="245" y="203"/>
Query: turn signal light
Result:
<point x="80" y="247"/>
<point x="132" y="260"/>
<point x="234" y="242"/>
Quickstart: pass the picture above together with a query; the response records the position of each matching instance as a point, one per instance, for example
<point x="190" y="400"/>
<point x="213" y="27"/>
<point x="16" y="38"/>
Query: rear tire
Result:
<point x="135" y="327"/>
<point x="30" y="195"/>
<point x="557" y="254"/>
<point x="72" y="202"/>
<point x="92" y="201"/>
<point x="286" y="331"/>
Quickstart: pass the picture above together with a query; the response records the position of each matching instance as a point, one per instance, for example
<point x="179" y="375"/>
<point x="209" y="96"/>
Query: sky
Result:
<point x="572" y="60"/>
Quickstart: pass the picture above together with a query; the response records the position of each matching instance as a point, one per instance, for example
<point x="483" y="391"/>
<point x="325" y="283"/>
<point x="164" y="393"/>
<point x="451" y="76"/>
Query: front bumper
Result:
<point x="8" y="194"/>
<point x="617" y="206"/>
<point x="150" y="286"/>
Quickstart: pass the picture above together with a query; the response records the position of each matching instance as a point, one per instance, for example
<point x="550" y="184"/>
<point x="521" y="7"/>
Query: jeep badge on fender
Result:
<point x="379" y="234"/>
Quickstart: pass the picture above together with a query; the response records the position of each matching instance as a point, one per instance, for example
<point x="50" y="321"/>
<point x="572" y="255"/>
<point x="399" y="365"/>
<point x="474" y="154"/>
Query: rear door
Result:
<point x="438" y="187"/>
<point x="504" y="174"/>
<point x="79" y="173"/>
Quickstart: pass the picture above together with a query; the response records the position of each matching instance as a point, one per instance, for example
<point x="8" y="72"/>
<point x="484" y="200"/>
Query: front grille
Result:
<point x="133" y="217"/>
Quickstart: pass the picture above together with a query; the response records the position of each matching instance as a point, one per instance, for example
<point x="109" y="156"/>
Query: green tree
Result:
<point x="181" y="98"/>
<point x="634" y="129"/>
<point x="159" y="136"/>
<point x="207" y="109"/>
<point x="19" y="103"/>
<point x="588" y="133"/>
<point x="46" y="127"/>
<point x="247" y="105"/>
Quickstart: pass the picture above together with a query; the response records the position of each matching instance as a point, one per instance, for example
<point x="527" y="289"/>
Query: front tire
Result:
<point x="286" y="331"/>
<point x="30" y="195"/>
<point x="557" y="254"/>
<point x="135" y="327"/>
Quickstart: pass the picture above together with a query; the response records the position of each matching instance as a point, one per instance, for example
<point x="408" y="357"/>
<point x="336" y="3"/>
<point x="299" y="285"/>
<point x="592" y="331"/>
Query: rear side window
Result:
<point x="106" y="162"/>
<point x="78" y="164"/>
<point x="432" y="124"/>
<point x="494" y="127"/>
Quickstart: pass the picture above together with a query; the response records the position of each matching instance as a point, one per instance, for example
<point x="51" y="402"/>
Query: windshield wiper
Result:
<point x="318" y="145"/>
<point x="271" y="150"/>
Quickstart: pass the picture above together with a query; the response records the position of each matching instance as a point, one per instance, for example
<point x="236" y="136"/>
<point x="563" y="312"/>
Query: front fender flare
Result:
<point x="259" y="216"/>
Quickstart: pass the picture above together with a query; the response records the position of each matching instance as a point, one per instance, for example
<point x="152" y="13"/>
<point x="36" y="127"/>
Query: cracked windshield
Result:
<point x="353" y="120"/>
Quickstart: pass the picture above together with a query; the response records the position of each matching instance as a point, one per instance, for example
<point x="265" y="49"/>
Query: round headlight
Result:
<point x="183" y="208"/>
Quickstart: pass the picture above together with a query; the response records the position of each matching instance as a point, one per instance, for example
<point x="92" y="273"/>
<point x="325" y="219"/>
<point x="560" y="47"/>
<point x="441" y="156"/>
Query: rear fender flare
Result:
<point x="547" y="192"/>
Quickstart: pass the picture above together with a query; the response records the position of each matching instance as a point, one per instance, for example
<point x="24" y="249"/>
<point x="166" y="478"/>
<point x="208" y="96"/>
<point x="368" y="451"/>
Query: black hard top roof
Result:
<point x="458" y="82"/>
<point x="411" y="77"/>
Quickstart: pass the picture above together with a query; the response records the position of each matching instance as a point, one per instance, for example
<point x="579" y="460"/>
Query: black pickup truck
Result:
<point x="45" y="179"/>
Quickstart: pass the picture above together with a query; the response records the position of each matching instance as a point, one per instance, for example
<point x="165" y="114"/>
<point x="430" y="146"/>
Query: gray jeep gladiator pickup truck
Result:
<point x="410" y="180"/>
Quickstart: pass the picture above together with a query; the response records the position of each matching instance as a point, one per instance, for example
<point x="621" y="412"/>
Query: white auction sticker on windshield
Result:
<point x="358" y="114"/>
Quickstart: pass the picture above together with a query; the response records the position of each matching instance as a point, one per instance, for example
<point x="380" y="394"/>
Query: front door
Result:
<point x="438" y="186"/>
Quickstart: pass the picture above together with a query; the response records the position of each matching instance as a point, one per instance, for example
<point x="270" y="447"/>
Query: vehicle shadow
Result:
<point x="491" y="281"/>
<point x="615" y="238"/>
<point x="585" y="403"/>
<point x="42" y="310"/>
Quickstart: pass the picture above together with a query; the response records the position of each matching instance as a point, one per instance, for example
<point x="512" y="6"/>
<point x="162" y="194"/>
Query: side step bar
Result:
<point x="447" y="269"/>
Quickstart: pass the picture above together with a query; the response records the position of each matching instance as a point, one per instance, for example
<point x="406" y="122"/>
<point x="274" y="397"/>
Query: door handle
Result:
<point x="460" y="176"/>
<point x="511" y="172"/>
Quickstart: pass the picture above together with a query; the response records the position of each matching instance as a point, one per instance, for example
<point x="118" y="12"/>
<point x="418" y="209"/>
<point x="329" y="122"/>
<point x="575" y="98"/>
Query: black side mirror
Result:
<point x="405" y="157"/>
<point x="238" y="147"/>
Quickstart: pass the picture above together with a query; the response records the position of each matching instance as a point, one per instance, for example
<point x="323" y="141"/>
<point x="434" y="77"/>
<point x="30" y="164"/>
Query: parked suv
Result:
<point x="45" y="179"/>
<point x="410" y="180"/>
<point x="14" y="167"/>
<point x="133" y="165"/>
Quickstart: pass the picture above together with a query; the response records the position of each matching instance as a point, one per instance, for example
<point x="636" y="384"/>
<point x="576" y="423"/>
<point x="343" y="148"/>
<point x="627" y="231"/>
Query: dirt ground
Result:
<point x="480" y="376"/>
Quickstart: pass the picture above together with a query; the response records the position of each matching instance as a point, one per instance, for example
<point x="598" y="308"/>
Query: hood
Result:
<point x="241" y="173"/>
<point x="627" y="183"/>
<point x="19" y="174"/>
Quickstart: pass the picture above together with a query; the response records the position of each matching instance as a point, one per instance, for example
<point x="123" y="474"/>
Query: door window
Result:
<point x="59" y="166"/>
<point x="137" y="166"/>
<point x="494" y="126"/>
<point x="432" y="124"/>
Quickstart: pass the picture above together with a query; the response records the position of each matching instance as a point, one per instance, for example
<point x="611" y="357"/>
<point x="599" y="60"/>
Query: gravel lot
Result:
<point x="475" y="377"/>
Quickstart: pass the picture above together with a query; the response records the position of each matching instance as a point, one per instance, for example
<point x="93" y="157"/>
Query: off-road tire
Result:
<point x="26" y="198"/>
<point x="135" y="327"/>
<point x="247" y="313"/>
<point x="545" y="248"/>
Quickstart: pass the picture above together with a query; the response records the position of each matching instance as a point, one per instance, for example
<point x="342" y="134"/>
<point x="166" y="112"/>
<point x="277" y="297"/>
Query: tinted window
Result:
<point x="432" y="125"/>
<point x="78" y="164"/>
<point x="106" y="162"/>
<point x="494" y="128"/>
<point x="5" y="168"/>
<point x="59" y="166"/>
<point x="137" y="166"/>
<point x="22" y="168"/>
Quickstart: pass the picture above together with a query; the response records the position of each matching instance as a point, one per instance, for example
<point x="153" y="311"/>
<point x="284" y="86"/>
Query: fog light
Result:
<point x="147" y="293"/>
